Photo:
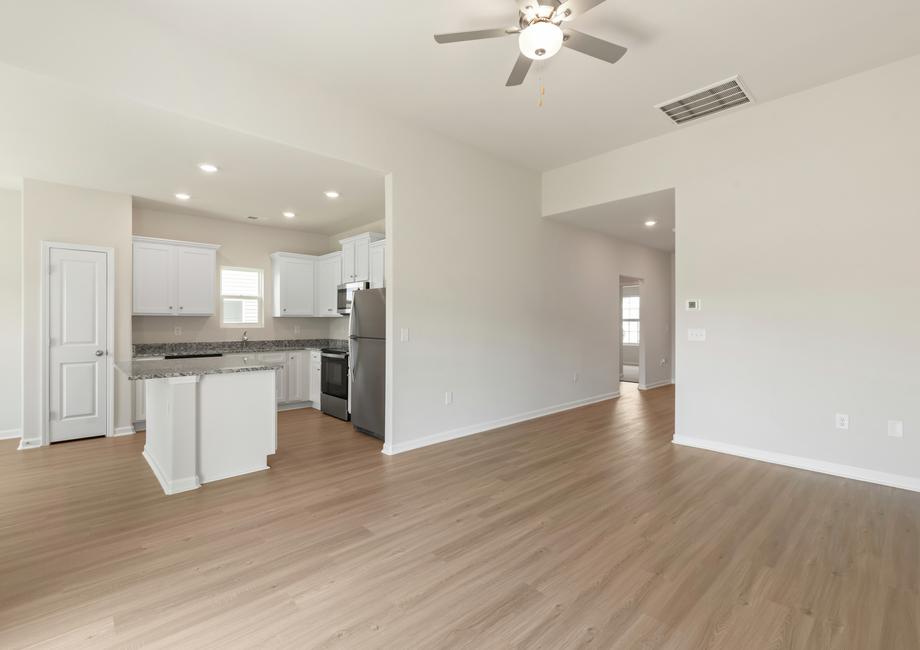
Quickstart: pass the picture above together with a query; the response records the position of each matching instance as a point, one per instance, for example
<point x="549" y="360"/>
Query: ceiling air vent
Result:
<point x="708" y="101"/>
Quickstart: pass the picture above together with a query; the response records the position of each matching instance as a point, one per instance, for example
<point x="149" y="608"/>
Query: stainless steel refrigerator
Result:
<point x="367" y="334"/>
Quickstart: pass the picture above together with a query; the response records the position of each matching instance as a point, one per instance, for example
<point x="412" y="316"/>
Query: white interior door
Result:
<point x="77" y="327"/>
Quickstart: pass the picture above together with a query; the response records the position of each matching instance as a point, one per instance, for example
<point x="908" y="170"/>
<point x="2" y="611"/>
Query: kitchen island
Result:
<point x="207" y="419"/>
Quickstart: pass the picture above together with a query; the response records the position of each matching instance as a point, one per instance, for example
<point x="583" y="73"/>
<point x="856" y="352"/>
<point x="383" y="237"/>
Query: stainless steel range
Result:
<point x="334" y="397"/>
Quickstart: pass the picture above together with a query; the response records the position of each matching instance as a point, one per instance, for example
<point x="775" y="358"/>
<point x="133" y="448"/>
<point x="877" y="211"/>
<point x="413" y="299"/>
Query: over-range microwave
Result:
<point x="346" y="291"/>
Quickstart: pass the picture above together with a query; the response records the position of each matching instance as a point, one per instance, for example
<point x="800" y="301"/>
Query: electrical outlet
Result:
<point x="696" y="334"/>
<point x="449" y="397"/>
<point x="404" y="334"/>
<point x="575" y="378"/>
<point x="177" y="331"/>
<point x="896" y="428"/>
<point x="842" y="420"/>
<point x="662" y="362"/>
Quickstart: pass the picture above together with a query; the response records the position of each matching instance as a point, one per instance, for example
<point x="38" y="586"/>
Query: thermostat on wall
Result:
<point x="693" y="304"/>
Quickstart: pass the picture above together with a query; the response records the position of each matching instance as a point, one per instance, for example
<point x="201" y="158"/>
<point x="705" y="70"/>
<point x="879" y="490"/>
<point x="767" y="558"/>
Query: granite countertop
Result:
<point x="165" y="368"/>
<point x="235" y="347"/>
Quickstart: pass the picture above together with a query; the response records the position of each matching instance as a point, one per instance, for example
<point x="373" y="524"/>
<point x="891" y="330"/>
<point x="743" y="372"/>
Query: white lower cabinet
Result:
<point x="140" y="403"/>
<point x="298" y="380"/>
<point x="316" y="377"/>
<point x="294" y="380"/>
<point x="281" y="374"/>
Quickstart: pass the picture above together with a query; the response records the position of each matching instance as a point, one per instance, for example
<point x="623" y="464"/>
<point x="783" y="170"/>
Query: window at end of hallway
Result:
<point x="240" y="297"/>
<point x="630" y="320"/>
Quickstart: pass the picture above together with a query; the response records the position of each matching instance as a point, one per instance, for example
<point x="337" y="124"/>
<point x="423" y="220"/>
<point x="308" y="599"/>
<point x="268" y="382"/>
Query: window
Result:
<point x="630" y="319"/>
<point x="240" y="297"/>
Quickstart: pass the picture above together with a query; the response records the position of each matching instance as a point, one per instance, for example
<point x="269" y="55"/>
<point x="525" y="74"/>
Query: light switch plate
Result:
<point x="696" y="334"/>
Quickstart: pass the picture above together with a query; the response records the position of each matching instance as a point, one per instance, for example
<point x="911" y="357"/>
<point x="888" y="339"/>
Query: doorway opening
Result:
<point x="630" y="329"/>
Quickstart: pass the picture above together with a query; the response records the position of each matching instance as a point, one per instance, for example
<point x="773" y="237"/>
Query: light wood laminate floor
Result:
<point x="584" y="528"/>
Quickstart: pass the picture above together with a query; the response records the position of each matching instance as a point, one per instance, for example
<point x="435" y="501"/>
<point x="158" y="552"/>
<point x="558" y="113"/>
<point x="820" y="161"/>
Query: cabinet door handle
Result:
<point x="181" y="307"/>
<point x="170" y="306"/>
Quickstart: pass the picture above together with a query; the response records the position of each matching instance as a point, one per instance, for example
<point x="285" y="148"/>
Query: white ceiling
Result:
<point x="625" y="219"/>
<point x="122" y="146"/>
<point x="382" y="54"/>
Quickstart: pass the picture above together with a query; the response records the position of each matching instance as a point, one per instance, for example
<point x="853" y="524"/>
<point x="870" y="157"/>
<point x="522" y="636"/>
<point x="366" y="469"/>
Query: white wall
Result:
<point x="11" y="314"/>
<point x="244" y="245"/>
<point x="61" y="213"/>
<point x="797" y="227"/>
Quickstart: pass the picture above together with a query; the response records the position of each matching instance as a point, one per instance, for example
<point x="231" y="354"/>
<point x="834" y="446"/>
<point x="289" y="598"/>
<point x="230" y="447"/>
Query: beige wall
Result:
<point x="10" y="315"/>
<point x="797" y="228"/>
<point x="61" y="213"/>
<point x="244" y="245"/>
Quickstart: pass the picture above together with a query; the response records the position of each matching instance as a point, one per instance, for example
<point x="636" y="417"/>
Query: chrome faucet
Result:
<point x="245" y="338"/>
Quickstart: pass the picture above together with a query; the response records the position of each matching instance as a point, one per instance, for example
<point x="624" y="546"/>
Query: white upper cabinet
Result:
<point x="378" y="264"/>
<point x="154" y="269"/>
<point x="293" y="284"/>
<point x="328" y="279"/>
<point x="173" y="278"/>
<point x="356" y="256"/>
<point x="348" y="261"/>
<point x="195" y="280"/>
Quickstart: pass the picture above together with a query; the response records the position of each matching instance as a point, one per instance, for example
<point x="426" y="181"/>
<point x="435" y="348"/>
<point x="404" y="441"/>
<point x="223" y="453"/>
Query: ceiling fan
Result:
<point x="541" y="35"/>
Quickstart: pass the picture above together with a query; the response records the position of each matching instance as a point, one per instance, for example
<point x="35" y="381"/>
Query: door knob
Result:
<point x="99" y="353"/>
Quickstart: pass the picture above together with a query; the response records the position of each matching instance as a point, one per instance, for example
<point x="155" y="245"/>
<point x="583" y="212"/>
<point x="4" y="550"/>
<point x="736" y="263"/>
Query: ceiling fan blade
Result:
<point x="519" y="71"/>
<point x="457" y="37"/>
<point x="596" y="47"/>
<point x="572" y="8"/>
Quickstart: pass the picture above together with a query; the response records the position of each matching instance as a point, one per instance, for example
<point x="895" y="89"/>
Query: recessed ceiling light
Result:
<point x="208" y="168"/>
<point x="182" y="196"/>
<point x="289" y="215"/>
<point x="650" y="223"/>
<point x="331" y="194"/>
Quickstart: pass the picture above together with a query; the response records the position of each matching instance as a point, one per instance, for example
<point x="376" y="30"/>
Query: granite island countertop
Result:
<point x="136" y="369"/>
<point x="235" y="347"/>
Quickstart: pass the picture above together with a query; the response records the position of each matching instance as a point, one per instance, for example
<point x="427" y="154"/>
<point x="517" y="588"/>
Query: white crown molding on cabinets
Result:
<point x="174" y="242"/>
<point x="372" y="236"/>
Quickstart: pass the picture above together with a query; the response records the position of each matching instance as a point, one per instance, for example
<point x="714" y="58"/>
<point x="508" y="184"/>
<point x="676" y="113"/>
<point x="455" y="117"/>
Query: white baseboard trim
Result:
<point x="801" y="462"/>
<point x="462" y="432"/>
<point x="221" y="477"/>
<point x="170" y="487"/>
<point x="293" y="406"/>
<point x="656" y="384"/>
<point x="123" y="431"/>
<point x="30" y="443"/>
<point x="10" y="434"/>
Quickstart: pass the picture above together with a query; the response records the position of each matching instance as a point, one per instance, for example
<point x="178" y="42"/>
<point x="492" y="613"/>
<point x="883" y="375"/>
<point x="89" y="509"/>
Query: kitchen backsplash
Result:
<point x="200" y="347"/>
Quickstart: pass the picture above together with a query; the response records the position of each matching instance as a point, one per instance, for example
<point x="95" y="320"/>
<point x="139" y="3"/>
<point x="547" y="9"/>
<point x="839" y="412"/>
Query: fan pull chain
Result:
<point x="542" y="87"/>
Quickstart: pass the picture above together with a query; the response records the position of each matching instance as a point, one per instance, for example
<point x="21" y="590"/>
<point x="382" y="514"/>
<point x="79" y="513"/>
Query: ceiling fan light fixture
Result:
<point x="540" y="40"/>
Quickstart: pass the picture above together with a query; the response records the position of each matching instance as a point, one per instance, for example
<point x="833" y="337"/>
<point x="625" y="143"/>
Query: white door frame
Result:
<point x="45" y="371"/>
